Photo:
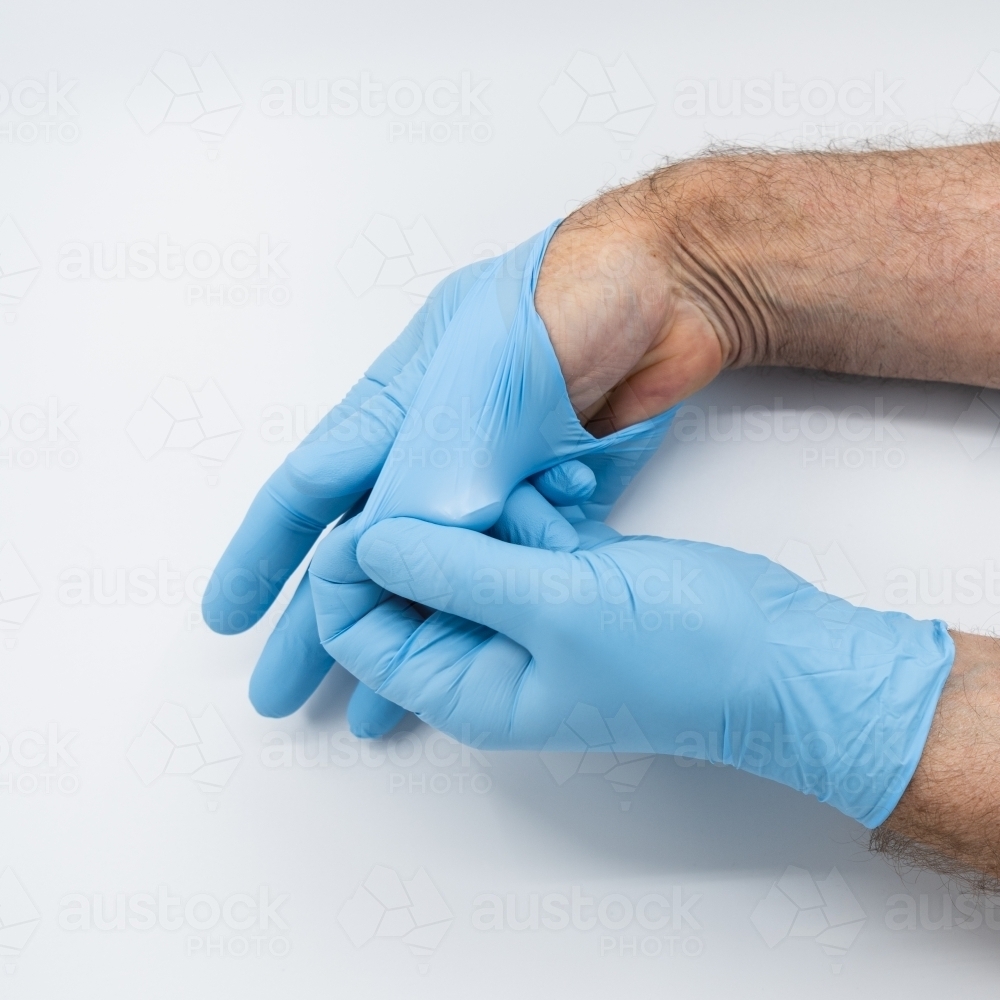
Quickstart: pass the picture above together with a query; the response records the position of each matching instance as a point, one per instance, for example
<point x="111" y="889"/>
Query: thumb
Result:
<point x="505" y="587"/>
<point x="529" y="519"/>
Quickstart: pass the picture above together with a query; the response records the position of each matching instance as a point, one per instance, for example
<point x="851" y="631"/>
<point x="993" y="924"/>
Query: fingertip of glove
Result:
<point x="570" y="483"/>
<point x="335" y="559"/>
<point x="561" y="536"/>
<point x="225" y="619"/>
<point x="365" y="730"/>
<point x="370" y="716"/>
<point x="266" y="703"/>
<point x="582" y="482"/>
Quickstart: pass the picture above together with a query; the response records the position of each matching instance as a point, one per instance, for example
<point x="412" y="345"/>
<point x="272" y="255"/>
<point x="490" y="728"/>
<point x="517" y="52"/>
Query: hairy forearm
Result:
<point x="882" y="263"/>
<point x="952" y="804"/>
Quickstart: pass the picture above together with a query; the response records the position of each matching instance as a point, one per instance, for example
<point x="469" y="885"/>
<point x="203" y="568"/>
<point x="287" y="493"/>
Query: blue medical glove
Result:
<point x="491" y="409"/>
<point x="683" y="647"/>
<point x="344" y="455"/>
<point x="337" y="465"/>
<point x="294" y="662"/>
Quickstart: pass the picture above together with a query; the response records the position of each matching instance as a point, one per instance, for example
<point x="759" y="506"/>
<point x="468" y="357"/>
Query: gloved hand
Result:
<point x="714" y="653"/>
<point x="491" y="409"/>
<point x="342" y="458"/>
<point x="294" y="662"/>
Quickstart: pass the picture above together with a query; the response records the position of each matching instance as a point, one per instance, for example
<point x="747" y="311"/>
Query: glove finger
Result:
<point x="353" y="445"/>
<point x="370" y="716"/>
<point x="293" y="661"/>
<point x="566" y="484"/>
<point x="455" y="675"/>
<point x="357" y="621"/>
<point x="459" y="677"/>
<point x="473" y="576"/>
<point x="362" y="439"/>
<point x="342" y="592"/>
<point x="277" y="532"/>
<point x="343" y="596"/>
<point x="366" y="645"/>
<point x="285" y="519"/>
<point x="529" y="519"/>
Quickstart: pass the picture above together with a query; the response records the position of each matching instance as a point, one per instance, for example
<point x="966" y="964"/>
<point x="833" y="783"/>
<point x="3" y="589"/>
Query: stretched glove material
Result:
<point x="492" y="409"/>
<point x="341" y="459"/>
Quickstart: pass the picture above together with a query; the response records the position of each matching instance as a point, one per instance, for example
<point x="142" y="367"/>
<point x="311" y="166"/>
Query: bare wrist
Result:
<point x="874" y="263"/>
<point x="630" y="340"/>
<point x="703" y="209"/>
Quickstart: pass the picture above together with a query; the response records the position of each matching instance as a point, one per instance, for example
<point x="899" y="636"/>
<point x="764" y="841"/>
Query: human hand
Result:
<point x="331" y="471"/>
<point x="492" y="409"/>
<point x="714" y="653"/>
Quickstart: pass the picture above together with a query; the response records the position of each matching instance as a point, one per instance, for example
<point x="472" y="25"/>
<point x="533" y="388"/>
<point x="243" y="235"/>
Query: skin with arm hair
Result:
<point x="879" y="263"/>
<point x="947" y="818"/>
<point x="874" y="263"/>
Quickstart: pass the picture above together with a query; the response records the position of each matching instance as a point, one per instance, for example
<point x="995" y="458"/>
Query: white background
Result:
<point x="910" y="497"/>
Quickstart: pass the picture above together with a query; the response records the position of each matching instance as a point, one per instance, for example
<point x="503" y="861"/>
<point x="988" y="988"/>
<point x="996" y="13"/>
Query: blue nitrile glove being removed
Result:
<point x="468" y="402"/>
<point x="710" y="652"/>
<point x="491" y="409"/>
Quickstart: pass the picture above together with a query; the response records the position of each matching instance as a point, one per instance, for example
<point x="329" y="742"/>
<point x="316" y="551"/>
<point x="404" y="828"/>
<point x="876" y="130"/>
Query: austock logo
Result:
<point x="655" y="924"/>
<point x="240" y="925"/>
<point x="176" y="743"/>
<point x="444" y="110"/>
<point x="389" y="256"/>
<point x="830" y="571"/>
<point x="44" y="110"/>
<point x="174" y="417"/>
<point x="38" y="763"/>
<point x="38" y="436"/>
<point x="587" y="92"/>
<point x="415" y="763"/>
<point x="18" y="919"/>
<point x="799" y="906"/>
<point x="588" y="743"/>
<point x="930" y="585"/>
<point x="926" y="912"/>
<point x="977" y="427"/>
<point x="412" y="911"/>
<point x="855" y="437"/>
<point x="761" y="96"/>
<point x="18" y="593"/>
<point x="174" y="92"/>
<point x="18" y="267"/>
<point x="978" y="101"/>
<point x="236" y="274"/>
<point x="777" y="592"/>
